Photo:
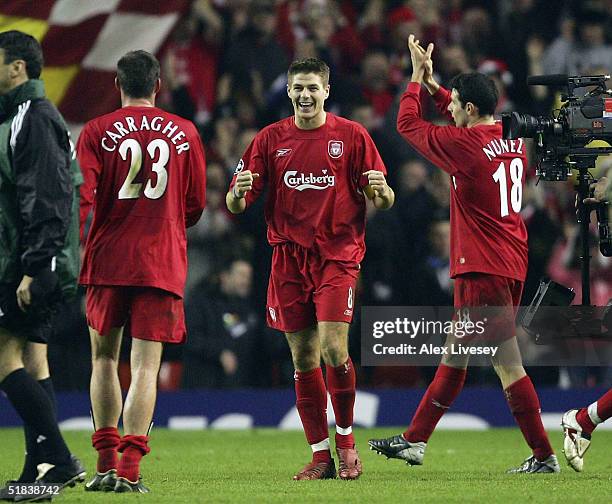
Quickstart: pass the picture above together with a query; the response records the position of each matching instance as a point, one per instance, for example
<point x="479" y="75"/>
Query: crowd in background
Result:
<point x="224" y="68"/>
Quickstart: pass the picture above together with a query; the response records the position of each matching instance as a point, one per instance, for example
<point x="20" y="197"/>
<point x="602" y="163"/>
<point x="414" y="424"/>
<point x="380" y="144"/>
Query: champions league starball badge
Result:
<point x="239" y="167"/>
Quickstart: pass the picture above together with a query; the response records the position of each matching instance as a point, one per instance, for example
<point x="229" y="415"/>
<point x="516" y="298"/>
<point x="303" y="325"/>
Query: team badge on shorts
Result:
<point x="335" y="148"/>
<point x="272" y="313"/>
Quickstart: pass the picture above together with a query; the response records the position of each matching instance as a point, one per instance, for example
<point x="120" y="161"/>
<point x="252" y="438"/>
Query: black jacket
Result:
<point x="37" y="188"/>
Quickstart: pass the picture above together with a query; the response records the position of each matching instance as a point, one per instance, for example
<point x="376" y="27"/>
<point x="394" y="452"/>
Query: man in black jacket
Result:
<point x="38" y="259"/>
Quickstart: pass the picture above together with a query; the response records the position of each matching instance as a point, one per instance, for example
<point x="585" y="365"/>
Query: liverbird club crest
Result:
<point x="335" y="148"/>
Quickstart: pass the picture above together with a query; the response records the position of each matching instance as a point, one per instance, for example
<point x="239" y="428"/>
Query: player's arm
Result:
<point x="440" y="95"/>
<point x="235" y="199"/>
<point x="249" y="177"/>
<point x="196" y="190"/>
<point x="91" y="166"/>
<point x="439" y="144"/>
<point x="41" y="163"/>
<point x="41" y="160"/>
<point x="378" y="190"/>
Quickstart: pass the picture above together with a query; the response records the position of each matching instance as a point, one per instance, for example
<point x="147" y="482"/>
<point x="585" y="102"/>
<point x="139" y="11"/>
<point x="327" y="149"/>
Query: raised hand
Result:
<point x="244" y="183"/>
<point x="421" y="59"/>
<point x="377" y="181"/>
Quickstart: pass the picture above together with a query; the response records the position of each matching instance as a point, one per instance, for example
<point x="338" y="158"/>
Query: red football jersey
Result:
<point x="145" y="175"/>
<point x="487" y="232"/>
<point x="315" y="179"/>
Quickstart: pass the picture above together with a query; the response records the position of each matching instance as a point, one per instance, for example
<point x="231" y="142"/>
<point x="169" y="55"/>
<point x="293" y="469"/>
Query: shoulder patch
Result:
<point x="239" y="167"/>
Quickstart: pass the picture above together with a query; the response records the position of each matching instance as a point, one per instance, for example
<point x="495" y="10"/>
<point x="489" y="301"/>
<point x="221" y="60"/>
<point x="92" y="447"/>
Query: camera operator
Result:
<point x="601" y="192"/>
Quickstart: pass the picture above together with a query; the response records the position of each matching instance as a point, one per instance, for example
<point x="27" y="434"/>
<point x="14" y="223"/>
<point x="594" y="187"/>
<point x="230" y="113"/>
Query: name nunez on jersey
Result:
<point x="497" y="147"/>
<point x="301" y="181"/>
<point x="111" y="139"/>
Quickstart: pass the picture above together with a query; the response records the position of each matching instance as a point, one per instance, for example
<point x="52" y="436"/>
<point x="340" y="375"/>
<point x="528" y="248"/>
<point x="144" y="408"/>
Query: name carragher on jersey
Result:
<point x="128" y="125"/>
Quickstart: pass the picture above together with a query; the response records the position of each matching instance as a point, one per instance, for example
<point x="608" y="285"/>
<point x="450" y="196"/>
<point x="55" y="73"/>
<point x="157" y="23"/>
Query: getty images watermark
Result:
<point x="419" y="330"/>
<point x="421" y="336"/>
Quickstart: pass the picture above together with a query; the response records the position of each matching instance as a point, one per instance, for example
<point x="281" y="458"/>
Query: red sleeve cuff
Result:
<point x="413" y="87"/>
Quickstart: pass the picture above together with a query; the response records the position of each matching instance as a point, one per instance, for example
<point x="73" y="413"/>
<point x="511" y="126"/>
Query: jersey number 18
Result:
<point x="516" y="191"/>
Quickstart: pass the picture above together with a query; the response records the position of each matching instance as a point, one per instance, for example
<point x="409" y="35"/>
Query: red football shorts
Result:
<point x="154" y="314"/>
<point x="500" y="295"/>
<point x="305" y="288"/>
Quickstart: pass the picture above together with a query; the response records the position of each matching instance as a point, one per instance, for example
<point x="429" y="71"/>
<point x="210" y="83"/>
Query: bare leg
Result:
<point x="145" y="359"/>
<point x="35" y="360"/>
<point x="305" y="349"/>
<point x="508" y="363"/>
<point x="105" y="389"/>
<point x="334" y="342"/>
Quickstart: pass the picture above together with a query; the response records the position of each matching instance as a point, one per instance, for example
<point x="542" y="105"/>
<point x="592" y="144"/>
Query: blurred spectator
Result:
<point x="579" y="56"/>
<point x="498" y="71"/>
<point x="432" y="280"/>
<point x="564" y="267"/>
<point x="254" y="59"/>
<point x="212" y="238"/>
<point x="222" y="328"/>
<point x="69" y="348"/>
<point x="478" y="35"/>
<point x="543" y="232"/>
<point x="454" y="62"/>
<point x="190" y="63"/>
<point x="375" y="84"/>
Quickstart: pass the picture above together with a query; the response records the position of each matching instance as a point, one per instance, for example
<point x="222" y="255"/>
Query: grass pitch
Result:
<point x="257" y="466"/>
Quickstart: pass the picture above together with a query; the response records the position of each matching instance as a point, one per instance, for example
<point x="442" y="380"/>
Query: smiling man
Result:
<point x="319" y="169"/>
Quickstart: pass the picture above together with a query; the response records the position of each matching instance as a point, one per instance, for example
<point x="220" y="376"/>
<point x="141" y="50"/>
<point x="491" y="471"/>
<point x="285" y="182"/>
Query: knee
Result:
<point x="11" y="358"/>
<point x="145" y="368"/>
<point x="508" y="374"/>
<point x="305" y="360"/>
<point x="334" y="354"/>
<point x="104" y="361"/>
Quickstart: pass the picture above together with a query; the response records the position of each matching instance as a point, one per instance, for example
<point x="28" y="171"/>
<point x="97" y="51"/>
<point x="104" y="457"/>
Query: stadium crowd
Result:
<point x="224" y="68"/>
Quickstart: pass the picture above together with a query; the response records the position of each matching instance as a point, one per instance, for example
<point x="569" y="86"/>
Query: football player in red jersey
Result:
<point x="319" y="169"/>
<point x="488" y="248"/>
<point x="144" y="172"/>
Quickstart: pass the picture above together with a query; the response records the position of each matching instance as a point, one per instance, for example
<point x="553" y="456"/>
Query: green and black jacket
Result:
<point x="39" y="179"/>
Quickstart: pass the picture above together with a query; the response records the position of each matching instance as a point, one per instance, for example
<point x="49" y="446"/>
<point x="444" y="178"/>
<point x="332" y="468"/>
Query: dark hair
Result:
<point x="21" y="46"/>
<point x="309" y="65"/>
<point x="137" y="73"/>
<point x="476" y="88"/>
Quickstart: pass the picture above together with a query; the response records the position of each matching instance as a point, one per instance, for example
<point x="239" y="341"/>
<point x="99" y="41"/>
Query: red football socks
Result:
<point x="341" y="385"/>
<point x="106" y="442"/>
<point x="525" y="407"/>
<point x="312" y="407"/>
<point x="440" y="394"/>
<point x="133" y="449"/>
<point x="598" y="412"/>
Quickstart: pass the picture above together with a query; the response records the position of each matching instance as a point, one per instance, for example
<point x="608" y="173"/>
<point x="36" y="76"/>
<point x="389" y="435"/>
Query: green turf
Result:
<point x="256" y="466"/>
